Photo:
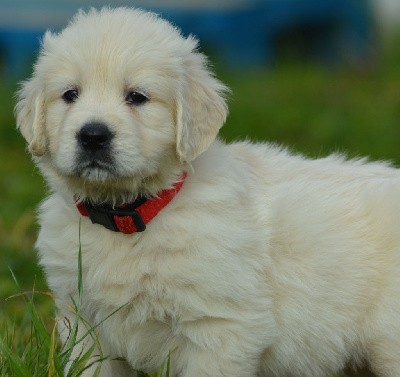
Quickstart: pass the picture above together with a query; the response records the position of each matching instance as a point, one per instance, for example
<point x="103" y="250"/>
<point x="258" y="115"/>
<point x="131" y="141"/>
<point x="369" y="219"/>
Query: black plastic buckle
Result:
<point x="104" y="215"/>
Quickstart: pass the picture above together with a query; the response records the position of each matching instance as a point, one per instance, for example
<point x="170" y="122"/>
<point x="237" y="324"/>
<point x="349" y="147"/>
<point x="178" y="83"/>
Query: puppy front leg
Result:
<point x="218" y="350"/>
<point x="84" y="342"/>
<point x="203" y="363"/>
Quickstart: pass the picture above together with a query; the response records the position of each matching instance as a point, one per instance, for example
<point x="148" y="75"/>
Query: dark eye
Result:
<point x="70" y="96"/>
<point x="136" y="98"/>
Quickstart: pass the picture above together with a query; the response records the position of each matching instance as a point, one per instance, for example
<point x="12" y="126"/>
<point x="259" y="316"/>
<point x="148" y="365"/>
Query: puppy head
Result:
<point x="116" y="99"/>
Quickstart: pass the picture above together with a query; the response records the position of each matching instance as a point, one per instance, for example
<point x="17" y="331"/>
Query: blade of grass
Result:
<point x="53" y="359"/>
<point x="16" y="365"/>
<point x="168" y="365"/>
<point x="80" y="274"/>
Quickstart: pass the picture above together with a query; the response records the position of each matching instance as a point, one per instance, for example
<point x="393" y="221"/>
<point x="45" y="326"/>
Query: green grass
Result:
<point x="312" y="110"/>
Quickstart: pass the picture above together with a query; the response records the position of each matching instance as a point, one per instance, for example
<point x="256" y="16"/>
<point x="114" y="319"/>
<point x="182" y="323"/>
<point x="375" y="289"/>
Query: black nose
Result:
<point x="94" y="137"/>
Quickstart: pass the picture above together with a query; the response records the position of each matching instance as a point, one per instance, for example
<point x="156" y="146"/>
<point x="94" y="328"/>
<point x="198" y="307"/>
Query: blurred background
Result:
<point x="316" y="75"/>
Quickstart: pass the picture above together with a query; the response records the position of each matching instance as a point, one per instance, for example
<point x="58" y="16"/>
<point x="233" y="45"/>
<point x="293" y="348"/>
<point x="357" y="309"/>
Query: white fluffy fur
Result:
<point x="265" y="263"/>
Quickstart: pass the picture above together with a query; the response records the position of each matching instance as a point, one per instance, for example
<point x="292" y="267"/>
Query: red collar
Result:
<point x="133" y="217"/>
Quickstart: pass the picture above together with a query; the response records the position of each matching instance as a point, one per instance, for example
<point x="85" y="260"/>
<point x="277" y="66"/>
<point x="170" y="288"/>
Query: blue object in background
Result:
<point x="17" y="49"/>
<point x="248" y="37"/>
<point x="243" y="34"/>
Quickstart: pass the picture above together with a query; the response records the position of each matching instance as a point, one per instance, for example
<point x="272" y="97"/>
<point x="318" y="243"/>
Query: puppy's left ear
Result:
<point x="201" y="108"/>
<point x="30" y="115"/>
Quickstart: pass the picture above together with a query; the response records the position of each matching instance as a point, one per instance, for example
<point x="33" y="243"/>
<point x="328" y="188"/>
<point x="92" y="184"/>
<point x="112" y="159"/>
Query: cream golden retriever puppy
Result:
<point x="235" y="260"/>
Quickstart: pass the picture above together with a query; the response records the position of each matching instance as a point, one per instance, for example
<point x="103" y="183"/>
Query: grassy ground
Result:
<point x="310" y="109"/>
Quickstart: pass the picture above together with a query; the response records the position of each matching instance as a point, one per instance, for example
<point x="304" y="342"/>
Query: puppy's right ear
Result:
<point x="30" y="115"/>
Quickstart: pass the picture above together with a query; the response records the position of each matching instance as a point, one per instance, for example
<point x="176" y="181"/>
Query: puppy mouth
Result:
<point x="94" y="168"/>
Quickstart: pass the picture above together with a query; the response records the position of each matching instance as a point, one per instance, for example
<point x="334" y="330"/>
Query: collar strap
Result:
<point x="132" y="217"/>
